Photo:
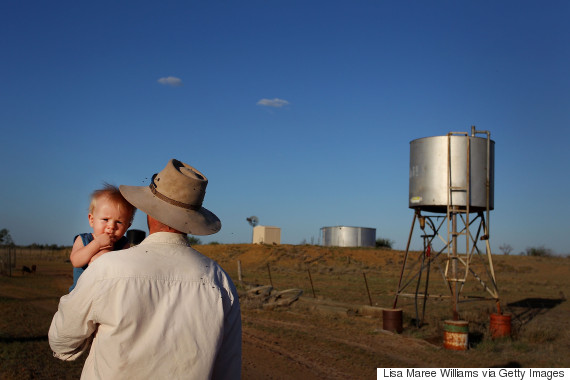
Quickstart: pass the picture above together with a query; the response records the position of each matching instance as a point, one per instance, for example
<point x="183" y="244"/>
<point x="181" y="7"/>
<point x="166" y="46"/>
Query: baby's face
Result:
<point x="109" y="218"/>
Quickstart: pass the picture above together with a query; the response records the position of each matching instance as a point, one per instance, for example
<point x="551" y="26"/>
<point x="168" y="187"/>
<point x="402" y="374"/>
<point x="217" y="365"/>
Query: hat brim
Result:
<point x="193" y="222"/>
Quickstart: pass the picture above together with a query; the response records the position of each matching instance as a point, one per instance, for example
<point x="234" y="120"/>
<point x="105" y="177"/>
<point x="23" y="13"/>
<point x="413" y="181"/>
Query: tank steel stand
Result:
<point x="410" y="274"/>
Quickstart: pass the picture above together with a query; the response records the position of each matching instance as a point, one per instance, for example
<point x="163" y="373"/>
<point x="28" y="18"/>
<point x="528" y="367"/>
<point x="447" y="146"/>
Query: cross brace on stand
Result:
<point x="444" y="258"/>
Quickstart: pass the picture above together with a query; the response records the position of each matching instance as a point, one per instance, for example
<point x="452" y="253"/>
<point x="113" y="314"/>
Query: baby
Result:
<point x="110" y="215"/>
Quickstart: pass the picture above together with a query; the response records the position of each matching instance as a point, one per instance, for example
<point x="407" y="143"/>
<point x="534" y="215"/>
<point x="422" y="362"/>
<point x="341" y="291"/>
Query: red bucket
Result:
<point x="500" y="325"/>
<point x="392" y="320"/>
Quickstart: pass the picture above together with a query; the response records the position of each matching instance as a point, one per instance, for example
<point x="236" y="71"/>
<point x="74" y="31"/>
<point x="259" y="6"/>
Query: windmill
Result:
<point x="253" y="221"/>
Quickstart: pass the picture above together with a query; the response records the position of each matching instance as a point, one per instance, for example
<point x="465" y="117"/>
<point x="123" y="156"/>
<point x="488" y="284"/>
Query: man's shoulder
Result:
<point x="157" y="252"/>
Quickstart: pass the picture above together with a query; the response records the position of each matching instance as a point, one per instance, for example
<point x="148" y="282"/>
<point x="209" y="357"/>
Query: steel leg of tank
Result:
<point x="405" y="258"/>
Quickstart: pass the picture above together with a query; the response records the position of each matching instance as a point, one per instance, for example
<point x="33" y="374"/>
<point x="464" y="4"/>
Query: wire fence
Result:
<point x="23" y="259"/>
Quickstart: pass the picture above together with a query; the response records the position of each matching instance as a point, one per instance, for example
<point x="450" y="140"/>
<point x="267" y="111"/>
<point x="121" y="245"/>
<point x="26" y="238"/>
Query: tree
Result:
<point x="506" y="249"/>
<point x="5" y="238"/>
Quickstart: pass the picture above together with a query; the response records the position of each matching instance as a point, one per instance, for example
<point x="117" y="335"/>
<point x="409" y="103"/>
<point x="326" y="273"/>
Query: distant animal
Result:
<point x="26" y="269"/>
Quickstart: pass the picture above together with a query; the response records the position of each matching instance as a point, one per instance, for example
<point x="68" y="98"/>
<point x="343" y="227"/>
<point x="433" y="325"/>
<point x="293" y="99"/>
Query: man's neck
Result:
<point x="156" y="226"/>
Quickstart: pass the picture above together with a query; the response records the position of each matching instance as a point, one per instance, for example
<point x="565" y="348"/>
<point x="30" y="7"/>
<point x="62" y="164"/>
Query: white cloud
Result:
<point x="277" y="103"/>
<point x="170" y="81"/>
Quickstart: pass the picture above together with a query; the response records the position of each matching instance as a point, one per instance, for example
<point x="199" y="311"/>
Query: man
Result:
<point x="159" y="310"/>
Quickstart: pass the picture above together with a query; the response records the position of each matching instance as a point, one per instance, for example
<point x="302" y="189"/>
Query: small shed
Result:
<point x="266" y="235"/>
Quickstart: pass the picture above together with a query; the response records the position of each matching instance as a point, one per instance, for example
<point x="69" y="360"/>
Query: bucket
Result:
<point x="455" y="335"/>
<point x="392" y="320"/>
<point x="500" y="325"/>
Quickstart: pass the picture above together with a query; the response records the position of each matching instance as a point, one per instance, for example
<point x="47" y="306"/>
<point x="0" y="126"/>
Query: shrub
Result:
<point x="384" y="243"/>
<point x="538" y="251"/>
<point x="194" y="240"/>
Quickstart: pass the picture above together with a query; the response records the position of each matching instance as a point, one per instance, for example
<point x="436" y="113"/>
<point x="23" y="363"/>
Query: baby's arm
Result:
<point x="127" y="245"/>
<point x="81" y="255"/>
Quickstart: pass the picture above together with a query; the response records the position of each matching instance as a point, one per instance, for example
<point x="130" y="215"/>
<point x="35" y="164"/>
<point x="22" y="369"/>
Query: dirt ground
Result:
<point x="336" y="334"/>
<point x="331" y="330"/>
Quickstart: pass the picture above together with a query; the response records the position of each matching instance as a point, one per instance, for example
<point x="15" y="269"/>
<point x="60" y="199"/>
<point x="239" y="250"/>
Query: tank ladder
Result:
<point x="457" y="266"/>
<point x="454" y="279"/>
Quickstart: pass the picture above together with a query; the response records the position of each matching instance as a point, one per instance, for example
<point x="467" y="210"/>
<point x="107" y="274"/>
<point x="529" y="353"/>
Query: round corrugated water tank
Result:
<point x="429" y="178"/>
<point x="342" y="236"/>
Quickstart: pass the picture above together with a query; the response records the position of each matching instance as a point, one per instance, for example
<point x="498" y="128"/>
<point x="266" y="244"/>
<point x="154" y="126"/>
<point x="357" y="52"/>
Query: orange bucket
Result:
<point x="392" y="320"/>
<point x="455" y="335"/>
<point x="500" y="325"/>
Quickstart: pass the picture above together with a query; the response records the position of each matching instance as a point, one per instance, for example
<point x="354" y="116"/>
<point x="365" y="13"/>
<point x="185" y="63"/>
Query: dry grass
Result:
<point x="532" y="289"/>
<point x="325" y="334"/>
<point x="27" y="305"/>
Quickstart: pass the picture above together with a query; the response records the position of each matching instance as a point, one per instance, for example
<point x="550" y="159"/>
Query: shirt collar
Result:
<point x="167" y="237"/>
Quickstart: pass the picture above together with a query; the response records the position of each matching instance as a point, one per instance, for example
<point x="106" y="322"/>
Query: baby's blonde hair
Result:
<point x="112" y="193"/>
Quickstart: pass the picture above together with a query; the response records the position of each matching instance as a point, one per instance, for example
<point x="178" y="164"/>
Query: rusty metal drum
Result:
<point x="500" y="325"/>
<point x="392" y="320"/>
<point x="456" y="335"/>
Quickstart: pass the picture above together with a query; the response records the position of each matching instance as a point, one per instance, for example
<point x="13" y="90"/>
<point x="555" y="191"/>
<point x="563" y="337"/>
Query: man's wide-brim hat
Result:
<point x="174" y="197"/>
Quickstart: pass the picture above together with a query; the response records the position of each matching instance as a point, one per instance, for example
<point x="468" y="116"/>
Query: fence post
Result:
<point x="10" y="262"/>
<point x="239" y="272"/>
<point x="269" y="271"/>
<point x="311" y="280"/>
<point x="367" y="290"/>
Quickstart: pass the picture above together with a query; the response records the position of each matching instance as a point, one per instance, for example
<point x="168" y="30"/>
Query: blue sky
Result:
<point x="298" y="112"/>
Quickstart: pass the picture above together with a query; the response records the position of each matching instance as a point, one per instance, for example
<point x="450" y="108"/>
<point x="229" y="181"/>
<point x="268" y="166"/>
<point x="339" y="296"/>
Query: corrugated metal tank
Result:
<point x="429" y="174"/>
<point x="342" y="236"/>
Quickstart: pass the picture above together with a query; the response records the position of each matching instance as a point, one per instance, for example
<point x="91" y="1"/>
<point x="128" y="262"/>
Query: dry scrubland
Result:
<point x="331" y="333"/>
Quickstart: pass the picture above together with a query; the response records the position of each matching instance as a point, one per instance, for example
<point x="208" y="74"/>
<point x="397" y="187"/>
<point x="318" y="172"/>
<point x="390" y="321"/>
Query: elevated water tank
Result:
<point x="429" y="178"/>
<point x="342" y="236"/>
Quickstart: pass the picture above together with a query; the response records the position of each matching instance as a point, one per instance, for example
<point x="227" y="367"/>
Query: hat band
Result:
<point x="163" y="197"/>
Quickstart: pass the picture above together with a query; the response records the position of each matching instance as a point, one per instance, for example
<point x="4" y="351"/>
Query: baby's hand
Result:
<point x="105" y="241"/>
